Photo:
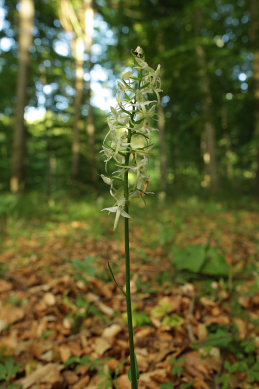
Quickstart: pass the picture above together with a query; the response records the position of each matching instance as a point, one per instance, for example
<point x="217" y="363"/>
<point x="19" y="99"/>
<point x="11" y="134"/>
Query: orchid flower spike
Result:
<point x="127" y="145"/>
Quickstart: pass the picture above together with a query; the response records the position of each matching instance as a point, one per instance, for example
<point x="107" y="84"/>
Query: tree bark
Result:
<point x="90" y="127"/>
<point x="26" y="16"/>
<point x="80" y="21"/>
<point x="163" y="150"/>
<point x="209" y="136"/>
<point x="254" y="36"/>
<point x="79" y="85"/>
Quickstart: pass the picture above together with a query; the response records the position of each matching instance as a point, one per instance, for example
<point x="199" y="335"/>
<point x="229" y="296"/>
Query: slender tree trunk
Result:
<point x="79" y="85"/>
<point x="163" y="150"/>
<point x="254" y="35"/>
<point x="209" y="136"/>
<point x="163" y="156"/>
<point x="90" y="130"/>
<point x="90" y="127"/>
<point x="26" y="15"/>
<point x="227" y="141"/>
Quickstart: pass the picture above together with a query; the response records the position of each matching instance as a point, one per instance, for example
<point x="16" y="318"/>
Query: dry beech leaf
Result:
<point x="123" y="382"/>
<point x="105" y="308"/>
<point x="70" y="377"/>
<point x="101" y="345"/>
<point x="82" y="383"/>
<point x="5" y="286"/>
<point x="112" y="331"/>
<point x="143" y="332"/>
<point x="146" y="377"/>
<point x="221" y="319"/>
<point x="202" y="332"/>
<point x="48" y="374"/>
<point x="49" y="299"/>
<point x="113" y="364"/>
<point x="242" y="327"/>
<point x="10" y="314"/>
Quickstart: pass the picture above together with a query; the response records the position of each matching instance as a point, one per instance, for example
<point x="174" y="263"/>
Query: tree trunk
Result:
<point x="163" y="150"/>
<point x="254" y="35"/>
<point x="209" y="136"/>
<point x="90" y="127"/>
<point x="26" y="15"/>
<point x="79" y="85"/>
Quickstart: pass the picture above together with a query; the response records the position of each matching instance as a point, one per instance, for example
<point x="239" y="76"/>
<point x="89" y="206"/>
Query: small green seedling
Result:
<point x="8" y="370"/>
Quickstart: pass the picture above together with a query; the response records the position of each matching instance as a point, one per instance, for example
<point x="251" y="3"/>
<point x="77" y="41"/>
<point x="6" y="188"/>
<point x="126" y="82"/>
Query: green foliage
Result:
<point x="227" y="339"/>
<point x="16" y="301"/>
<point x="246" y="364"/>
<point x="167" y="386"/>
<point x="200" y="259"/>
<point x="47" y="334"/>
<point x="177" y="369"/>
<point x="222" y="31"/>
<point x="136" y="369"/>
<point x="81" y="308"/>
<point x="139" y="318"/>
<point x="164" y="311"/>
<point x="8" y="370"/>
<point x="85" y="267"/>
<point x="172" y="386"/>
<point x="94" y="365"/>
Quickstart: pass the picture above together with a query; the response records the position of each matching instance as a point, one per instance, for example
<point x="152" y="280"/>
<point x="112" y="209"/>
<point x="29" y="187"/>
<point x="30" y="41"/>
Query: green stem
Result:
<point x="134" y="381"/>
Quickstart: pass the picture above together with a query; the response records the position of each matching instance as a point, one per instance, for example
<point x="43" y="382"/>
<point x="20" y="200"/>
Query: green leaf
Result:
<point x="86" y="266"/>
<point x="190" y="258"/>
<point x="136" y="367"/>
<point x="2" y="372"/>
<point x="140" y="318"/>
<point x="187" y="385"/>
<point x="220" y="338"/>
<point x="199" y="259"/>
<point x="215" y="264"/>
<point x="168" y="385"/>
<point x="72" y="360"/>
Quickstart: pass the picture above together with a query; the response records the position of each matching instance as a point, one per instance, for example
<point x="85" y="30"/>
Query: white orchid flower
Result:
<point x="118" y="209"/>
<point x="130" y="129"/>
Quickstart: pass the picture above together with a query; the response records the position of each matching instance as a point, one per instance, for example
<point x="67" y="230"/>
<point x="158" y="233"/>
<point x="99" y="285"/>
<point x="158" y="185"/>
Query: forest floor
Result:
<point x="195" y="283"/>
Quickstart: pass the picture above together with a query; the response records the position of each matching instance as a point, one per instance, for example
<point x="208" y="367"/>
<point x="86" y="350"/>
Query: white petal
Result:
<point x="116" y="218"/>
<point x="125" y="214"/>
<point x="111" y="209"/>
<point x="107" y="180"/>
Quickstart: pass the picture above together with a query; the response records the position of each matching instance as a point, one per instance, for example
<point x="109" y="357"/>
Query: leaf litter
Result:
<point x="63" y="320"/>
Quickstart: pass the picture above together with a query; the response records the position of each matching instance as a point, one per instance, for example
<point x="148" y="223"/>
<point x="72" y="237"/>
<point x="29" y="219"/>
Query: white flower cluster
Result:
<point x="127" y="144"/>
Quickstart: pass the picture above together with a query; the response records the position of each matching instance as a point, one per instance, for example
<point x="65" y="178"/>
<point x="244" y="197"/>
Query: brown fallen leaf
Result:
<point x="202" y="332"/>
<point x="10" y="314"/>
<point x="105" y="308"/>
<point x="221" y="319"/>
<point x="123" y="382"/>
<point x="100" y="346"/>
<point x="158" y="375"/>
<point x="48" y="374"/>
<point x="113" y="364"/>
<point x="70" y="377"/>
<point x="5" y="286"/>
<point x="112" y="331"/>
<point x="64" y="352"/>
<point x="242" y="327"/>
<point x="82" y="383"/>
<point x="49" y="299"/>
<point x="143" y="332"/>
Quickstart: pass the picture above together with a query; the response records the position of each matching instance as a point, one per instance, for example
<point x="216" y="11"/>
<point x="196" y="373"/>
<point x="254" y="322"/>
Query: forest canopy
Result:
<point x="60" y="62"/>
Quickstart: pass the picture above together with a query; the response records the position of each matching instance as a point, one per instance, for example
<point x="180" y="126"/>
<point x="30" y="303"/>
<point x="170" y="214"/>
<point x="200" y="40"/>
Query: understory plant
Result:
<point x="127" y="148"/>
